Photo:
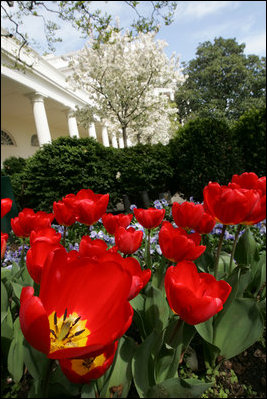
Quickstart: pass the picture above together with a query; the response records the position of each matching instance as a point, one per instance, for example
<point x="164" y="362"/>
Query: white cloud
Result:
<point x="201" y="9"/>
<point x="255" y="44"/>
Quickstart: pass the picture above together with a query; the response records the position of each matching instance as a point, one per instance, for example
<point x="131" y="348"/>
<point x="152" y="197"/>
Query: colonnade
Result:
<point x="42" y="127"/>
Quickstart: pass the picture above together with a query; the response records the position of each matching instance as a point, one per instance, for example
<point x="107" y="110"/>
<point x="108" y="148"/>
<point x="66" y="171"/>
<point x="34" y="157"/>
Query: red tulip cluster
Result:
<point x="83" y="306"/>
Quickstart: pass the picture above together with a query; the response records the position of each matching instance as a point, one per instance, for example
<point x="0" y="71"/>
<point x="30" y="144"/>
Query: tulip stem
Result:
<point x="64" y="235"/>
<point x="177" y="332"/>
<point x="234" y="246"/>
<point x="219" y="251"/>
<point x="148" y="257"/>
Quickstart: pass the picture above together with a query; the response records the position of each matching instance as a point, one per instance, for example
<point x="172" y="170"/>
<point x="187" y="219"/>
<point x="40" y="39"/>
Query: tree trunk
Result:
<point x="124" y="136"/>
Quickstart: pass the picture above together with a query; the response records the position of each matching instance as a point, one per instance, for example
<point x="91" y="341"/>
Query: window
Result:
<point x="34" y="140"/>
<point x="6" y="138"/>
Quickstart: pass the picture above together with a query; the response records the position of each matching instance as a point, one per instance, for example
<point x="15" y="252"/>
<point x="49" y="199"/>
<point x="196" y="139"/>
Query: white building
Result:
<point x="37" y="104"/>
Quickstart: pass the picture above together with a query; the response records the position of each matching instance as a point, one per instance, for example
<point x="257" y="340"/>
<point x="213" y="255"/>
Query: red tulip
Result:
<point x="111" y="222"/>
<point x="128" y="241"/>
<point x="4" y="238"/>
<point x="232" y="204"/>
<point x="82" y="371"/>
<point x="149" y="218"/>
<point x="42" y="243"/>
<point x="90" y="207"/>
<point x="64" y="213"/>
<point x="92" y="248"/>
<point x="6" y="205"/>
<point x="27" y="220"/>
<point x="177" y="245"/>
<point x="140" y="277"/>
<point x="82" y="307"/>
<point x="194" y="296"/>
<point x="251" y="181"/>
<point x="192" y="216"/>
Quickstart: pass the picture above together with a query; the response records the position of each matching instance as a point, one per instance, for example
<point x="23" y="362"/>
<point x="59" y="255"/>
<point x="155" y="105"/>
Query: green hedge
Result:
<point x="70" y="164"/>
<point x="250" y="132"/>
<point x="203" y="150"/>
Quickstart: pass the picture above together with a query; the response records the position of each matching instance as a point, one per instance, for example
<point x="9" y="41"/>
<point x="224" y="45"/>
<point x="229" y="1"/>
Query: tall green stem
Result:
<point x="234" y="246"/>
<point x="148" y="256"/>
<point x="219" y="251"/>
<point x="64" y="236"/>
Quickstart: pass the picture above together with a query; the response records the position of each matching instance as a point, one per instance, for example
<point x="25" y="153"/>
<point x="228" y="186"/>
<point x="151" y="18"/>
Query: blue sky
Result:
<point x="194" y="23"/>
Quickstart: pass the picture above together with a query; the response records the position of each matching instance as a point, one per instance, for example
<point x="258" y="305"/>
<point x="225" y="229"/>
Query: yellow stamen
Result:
<point x="67" y="331"/>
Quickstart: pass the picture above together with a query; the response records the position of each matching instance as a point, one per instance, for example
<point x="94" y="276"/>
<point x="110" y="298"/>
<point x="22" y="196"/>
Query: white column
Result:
<point x="40" y="118"/>
<point x="72" y="123"/>
<point x="114" y="141"/>
<point x="105" y="139"/>
<point x="92" y="131"/>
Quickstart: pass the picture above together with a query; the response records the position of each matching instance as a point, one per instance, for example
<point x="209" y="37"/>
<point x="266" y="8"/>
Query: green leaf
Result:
<point x="60" y="386"/>
<point x="143" y="364"/>
<point x="121" y="373"/>
<point x="205" y="330"/>
<point x="178" y="388"/>
<point x="15" y="354"/>
<point x="17" y="289"/>
<point x="246" y="249"/>
<point x="88" y="390"/>
<point x="4" y="302"/>
<point x="35" y="361"/>
<point x="238" y="328"/>
<point x="156" y="310"/>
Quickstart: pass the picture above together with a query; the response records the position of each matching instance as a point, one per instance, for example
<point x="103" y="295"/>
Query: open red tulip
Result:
<point x="82" y="371"/>
<point x="149" y="218"/>
<point x="177" y="245"/>
<point x="111" y="222"/>
<point x="194" y="296"/>
<point x="82" y="307"/>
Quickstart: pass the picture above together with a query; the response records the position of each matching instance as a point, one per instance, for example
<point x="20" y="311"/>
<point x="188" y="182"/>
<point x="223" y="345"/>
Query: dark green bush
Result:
<point x="250" y="132"/>
<point x="203" y="150"/>
<point x="66" y="166"/>
<point x="69" y="164"/>
<point x="13" y="165"/>
<point x="144" y="168"/>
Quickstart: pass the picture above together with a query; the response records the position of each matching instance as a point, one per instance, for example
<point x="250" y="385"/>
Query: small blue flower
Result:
<point x="132" y="207"/>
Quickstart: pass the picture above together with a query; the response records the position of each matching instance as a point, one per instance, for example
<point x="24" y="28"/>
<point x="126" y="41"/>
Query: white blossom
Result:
<point x="124" y="77"/>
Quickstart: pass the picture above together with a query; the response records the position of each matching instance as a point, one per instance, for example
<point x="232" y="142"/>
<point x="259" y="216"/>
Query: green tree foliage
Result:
<point x="203" y="150"/>
<point x="250" y="132"/>
<point x="221" y="81"/>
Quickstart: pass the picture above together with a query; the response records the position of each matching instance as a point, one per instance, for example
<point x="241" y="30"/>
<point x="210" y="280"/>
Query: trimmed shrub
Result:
<point x="250" y="132"/>
<point x="203" y="150"/>
<point x="144" y="168"/>
<point x="13" y="165"/>
<point x="63" y="167"/>
<point x="70" y="164"/>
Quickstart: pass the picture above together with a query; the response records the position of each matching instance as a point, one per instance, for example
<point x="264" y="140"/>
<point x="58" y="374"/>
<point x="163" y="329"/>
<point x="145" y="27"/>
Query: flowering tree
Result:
<point x="122" y="76"/>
